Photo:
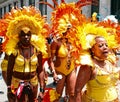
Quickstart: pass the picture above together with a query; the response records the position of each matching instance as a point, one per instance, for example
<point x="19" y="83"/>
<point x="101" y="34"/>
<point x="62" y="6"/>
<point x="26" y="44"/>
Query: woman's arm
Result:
<point x="41" y="73"/>
<point x="39" y="66"/>
<point x="53" y="58"/>
<point x="83" y="77"/>
<point x="11" y="62"/>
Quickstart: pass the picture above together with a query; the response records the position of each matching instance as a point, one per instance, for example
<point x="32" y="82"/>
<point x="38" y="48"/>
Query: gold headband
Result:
<point x="25" y="29"/>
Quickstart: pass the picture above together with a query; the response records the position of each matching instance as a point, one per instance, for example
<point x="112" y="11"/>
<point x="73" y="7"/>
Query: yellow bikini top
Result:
<point x="26" y="65"/>
<point x="62" y="52"/>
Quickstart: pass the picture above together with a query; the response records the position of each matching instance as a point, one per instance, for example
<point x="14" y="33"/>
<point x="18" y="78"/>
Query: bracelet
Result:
<point x="9" y="92"/>
<point x="53" y="71"/>
<point x="42" y="90"/>
<point x="8" y="86"/>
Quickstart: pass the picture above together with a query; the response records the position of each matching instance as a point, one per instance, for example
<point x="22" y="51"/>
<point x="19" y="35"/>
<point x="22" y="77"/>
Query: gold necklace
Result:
<point x="69" y="56"/>
<point x="97" y="58"/>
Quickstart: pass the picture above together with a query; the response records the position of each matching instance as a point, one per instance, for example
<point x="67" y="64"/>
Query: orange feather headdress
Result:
<point x="3" y="30"/>
<point x="68" y="16"/>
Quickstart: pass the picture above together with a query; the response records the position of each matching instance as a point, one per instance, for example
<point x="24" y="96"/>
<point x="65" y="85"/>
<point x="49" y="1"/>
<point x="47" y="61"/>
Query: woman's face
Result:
<point x="100" y="48"/>
<point x="25" y="38"/>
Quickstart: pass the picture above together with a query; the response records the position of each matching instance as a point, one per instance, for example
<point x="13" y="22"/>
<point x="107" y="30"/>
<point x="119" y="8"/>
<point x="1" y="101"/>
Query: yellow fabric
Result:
<point x="112" y="58"/>
<point x="15" y="81"/>
<point x="85" y="58"/>
<point x="62" y="53"/>
<point x="4" y="65"/>
<point x="25" y="65"/>
<point x="88" y="31"/>
<point x="53" y="95"/>
<point x="102" y="88"/>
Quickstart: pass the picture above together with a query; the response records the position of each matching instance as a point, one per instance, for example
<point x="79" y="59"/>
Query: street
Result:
<point x="3" y="91"/>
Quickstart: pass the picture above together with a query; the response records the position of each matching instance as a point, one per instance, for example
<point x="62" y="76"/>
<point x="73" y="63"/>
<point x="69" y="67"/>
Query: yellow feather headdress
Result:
<point x="25" y="17"/>
<point x="113" y="28"/>
<point x="85" y="39"/>
<point x="90" y="31"/>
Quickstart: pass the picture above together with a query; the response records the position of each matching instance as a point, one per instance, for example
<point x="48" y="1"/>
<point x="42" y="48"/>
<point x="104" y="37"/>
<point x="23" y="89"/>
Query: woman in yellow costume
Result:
<point x="97" y="72"/>
<point x="25" y="46"/>
<point x="65" y="18"/>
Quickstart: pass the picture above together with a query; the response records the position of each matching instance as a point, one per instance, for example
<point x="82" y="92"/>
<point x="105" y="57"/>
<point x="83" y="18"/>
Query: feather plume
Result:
<point x="21" y="17"/>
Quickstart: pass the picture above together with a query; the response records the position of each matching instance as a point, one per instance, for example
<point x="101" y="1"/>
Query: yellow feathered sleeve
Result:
<point x="85" y="59"/>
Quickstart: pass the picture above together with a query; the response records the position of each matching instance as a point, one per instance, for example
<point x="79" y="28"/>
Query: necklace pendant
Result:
<point x="68" y="64"/>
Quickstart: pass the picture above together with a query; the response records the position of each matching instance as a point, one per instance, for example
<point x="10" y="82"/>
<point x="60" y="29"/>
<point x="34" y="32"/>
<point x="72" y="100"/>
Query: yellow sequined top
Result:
<point x="25" y="65"/>
<point x="103" y="87"/>
<point x="63" y="56"/>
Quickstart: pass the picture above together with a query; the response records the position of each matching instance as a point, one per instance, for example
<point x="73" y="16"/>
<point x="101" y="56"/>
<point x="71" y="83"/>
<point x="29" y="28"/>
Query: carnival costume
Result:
<point x="27" y="18"/>
<point x="103" y="87"/>
<point x="66" y="16"/>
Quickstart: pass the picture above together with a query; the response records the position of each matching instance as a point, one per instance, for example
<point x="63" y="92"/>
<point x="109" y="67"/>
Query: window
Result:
<point x="22" y="4"/>
<point x="4" y="9"/>
<point x="0" y="12"/>
<point x="32" y="2"/>
<point x="115" y="8"/>
<point x="10" y="7"/>
<point x="95" y="8"/>
<point x="15" y="4"/>
<point x="43" y="8"/>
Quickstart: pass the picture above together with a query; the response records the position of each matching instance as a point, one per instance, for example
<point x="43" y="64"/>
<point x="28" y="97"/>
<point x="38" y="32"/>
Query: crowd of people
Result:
<point x="79" y="52"/>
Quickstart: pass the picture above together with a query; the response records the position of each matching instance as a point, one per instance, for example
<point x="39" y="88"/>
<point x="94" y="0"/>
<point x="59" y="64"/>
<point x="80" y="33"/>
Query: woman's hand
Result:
<point x="10" y="95"/>
<point x="41" y="94"/>
<point x="55" y="76"/>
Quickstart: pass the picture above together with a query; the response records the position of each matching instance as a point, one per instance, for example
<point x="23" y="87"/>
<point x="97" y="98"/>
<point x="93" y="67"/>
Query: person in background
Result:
<point x="4" y="61"/>
<point x="3" y="55"/>
<point x="4" y="64"/>
<point x="63" y="63"/>
<point x="46" y="57"/>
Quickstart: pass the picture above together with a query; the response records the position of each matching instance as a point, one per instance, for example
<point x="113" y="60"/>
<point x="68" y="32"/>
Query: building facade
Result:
<point x="104" y="7"/>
